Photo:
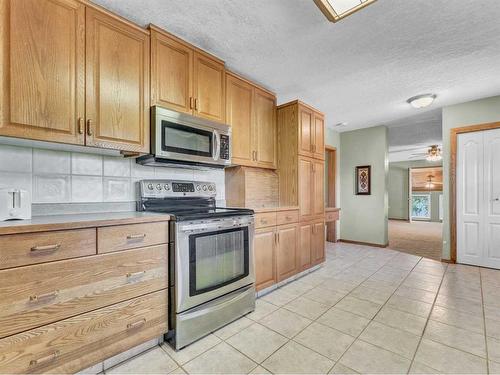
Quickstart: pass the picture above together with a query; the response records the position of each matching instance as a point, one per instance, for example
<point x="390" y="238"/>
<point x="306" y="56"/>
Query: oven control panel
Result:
<point x="224" y="146"/>
<point x="176" y="188"/>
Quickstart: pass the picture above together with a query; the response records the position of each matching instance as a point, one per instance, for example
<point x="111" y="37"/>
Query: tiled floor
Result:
<point x="368" y="310"/>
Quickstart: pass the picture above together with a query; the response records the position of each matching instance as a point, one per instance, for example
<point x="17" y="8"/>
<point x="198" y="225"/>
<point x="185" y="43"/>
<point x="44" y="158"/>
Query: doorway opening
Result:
<point x="331" y="209"/>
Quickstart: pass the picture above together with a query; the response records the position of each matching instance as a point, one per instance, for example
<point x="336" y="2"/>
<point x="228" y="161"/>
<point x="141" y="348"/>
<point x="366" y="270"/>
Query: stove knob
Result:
<point x="198" y="187"/>
<point x="204" y="187"/>
<point x="151" y="187"/>
<point x="167" y="187"/>
<point x="210" y="187"/>
<point x="158" y="187"/>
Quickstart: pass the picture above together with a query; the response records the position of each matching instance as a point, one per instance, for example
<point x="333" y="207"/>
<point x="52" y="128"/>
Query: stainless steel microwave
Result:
<point x="180" y="138"/>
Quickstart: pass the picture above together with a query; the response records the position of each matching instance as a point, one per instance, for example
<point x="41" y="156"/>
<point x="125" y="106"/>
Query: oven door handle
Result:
<point x="216" y="145"/>
<point x="207" y="227"/>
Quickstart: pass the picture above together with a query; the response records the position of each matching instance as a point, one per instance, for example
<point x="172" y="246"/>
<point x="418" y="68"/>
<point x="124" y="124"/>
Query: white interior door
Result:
<point x="478" y="198"/>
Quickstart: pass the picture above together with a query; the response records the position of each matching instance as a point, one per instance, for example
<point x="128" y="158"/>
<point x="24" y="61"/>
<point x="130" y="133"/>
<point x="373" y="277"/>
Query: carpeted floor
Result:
<point x="418" y="238"/>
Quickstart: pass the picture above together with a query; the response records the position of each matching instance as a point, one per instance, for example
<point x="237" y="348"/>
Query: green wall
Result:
<point x="364" y="217"/>
<point x="470" y="113"/>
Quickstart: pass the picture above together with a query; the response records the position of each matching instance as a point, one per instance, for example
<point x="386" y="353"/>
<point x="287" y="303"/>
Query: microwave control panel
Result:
<point x="224" y="146"/>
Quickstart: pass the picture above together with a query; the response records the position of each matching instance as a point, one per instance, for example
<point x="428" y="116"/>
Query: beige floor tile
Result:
<point x="278" y="297"/>
<point x="306" y="307"/>
<point x="344" y="321"/>
<point x="259" y="370"/>
<point x="325" y="340"/>
<point x="493" y="328"/>
<point x="419" y="368"/>
<point x="178" y="370"/>
<point x="494" y="367"/>
<point x="367" y="358"/>
<point x="416" y="294"/>
<point x="233" y="328"/>
<point x="191" y="351"/>
<point x="339" y="368"/>
<point x="324" y="296"/>
<point x="419" y="308"/>
<point x="459" y="319"/>
<point x="257" y="342"/>
<point x="455" y="337"/>
<point x="296" y="288"/>
<point x="358" y="306"/>
<point x="421" y="284"/>
<point x="393" y="339"/>
<point x="449" y="360"/>
<point x="373" y="295"/>
<point x="294" y="358"/>
<point x="154" y="361"/>
<point x="494" y="349"/>
<point x="285" y="322"/>
<point x="491" y="312"/>
<point x="262" y="309"/>
<point x="460" y="304"/>
<point x="401" y="320"/>
<point x="341" y="286"/>
<point x="221" y="359"/>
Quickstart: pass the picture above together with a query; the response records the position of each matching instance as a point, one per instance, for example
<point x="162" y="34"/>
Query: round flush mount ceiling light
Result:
<point x="421" y="101"/>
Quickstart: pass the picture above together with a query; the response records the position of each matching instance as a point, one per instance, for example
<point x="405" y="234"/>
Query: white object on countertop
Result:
<point x="14" y="204"/>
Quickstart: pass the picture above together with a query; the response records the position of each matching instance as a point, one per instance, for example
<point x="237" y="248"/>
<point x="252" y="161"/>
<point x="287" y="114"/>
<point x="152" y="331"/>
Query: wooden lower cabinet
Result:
<point x="265" y="257"/>
<point x="287" y="238"/>
<point x="318" y="242"/>
<point x="304" y="251"/>
<point x="70" y="345"/>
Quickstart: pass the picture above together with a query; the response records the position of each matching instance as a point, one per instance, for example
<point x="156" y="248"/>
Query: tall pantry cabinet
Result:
<point x="301" y="164"/>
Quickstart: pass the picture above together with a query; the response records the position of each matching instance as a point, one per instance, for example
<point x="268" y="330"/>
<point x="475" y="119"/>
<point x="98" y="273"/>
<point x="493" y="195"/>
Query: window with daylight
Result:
<point x="421" y="207"/>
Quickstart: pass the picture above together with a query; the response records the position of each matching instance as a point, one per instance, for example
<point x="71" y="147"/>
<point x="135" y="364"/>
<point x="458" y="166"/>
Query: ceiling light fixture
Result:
<point x="421" y="101"/>
<point x="335" y="10"/>
<point x="340" y="125"/>
<point x="434" y="153"/>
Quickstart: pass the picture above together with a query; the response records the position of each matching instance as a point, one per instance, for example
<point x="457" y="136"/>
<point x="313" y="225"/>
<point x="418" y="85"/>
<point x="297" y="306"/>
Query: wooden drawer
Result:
<point x="36" y="295"/>
<point x="287" y="217"/>
<point x="331" y="216"/>
<point x="122" y="237"/>
<point x="70" y="345"/>
<point x="265" y="219"/>
<point x="32" y="248"/>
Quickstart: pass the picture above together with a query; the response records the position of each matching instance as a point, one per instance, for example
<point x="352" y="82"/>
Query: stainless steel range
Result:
<point x="211" y="257"/>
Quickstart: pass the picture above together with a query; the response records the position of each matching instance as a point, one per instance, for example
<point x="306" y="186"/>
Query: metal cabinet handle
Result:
<point x="288" y="217"/>
<point x="136" y="236"/>
<point x="495" y="200"/>
<point x="190" y="102"/>
<point x="256" y="155"/>
<point x="196" y="104"/>
<point x="263" y="221"/>
<point x="81" y="126"/>
<point x="45" y="360"/>
<point x="137" y="324"/>
<point x="132" y="275"/>
<point x="37" y="249"/>
<point x="90" y="132"/>
<point x="43" y="297"/>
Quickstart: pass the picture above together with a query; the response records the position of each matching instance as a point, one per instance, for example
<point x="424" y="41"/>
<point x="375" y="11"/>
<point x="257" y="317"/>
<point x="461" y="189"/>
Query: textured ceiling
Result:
<point x="359" y="70"/>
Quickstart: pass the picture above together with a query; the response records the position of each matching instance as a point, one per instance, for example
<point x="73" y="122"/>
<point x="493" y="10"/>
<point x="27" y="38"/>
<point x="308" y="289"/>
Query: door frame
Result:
<point x="331" y="189"/>
<point x="453" y="174"/>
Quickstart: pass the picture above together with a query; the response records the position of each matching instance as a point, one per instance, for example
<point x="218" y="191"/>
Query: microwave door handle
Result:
<point x="216" y="146"/>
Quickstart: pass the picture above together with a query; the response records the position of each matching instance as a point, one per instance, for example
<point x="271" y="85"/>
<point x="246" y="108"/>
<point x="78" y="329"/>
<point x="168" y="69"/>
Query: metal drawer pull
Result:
<point x="263" y="221"/>
<point x="44" y="360"/>
<point x="45" y="296"/>
<point x="136" y="236"/>
<point x="132" y="275"/>
<point x="46" y="248"/>
<point x="288" y="217"/>
<point x="137" y="324"/>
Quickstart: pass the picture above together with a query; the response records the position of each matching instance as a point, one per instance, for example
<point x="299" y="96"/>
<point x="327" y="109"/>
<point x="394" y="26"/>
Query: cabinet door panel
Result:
<point x="319" y="137"/>
<point x="209" y="90"/>
<point x="318" y="197"/>
<point x="318" y="243"/>
<point x="239" y="115"/>
<point x="287" y="251"/>
<point x="304" y="251"/>
<point x="265" y="257"/>
<point x="306" y="126"/>
<point x="265" y="124"/>
<point x="117" y="84"/>
<point x="42" y="65"/>
<point x="305" y="188"/>
<point x="171" y="73"/>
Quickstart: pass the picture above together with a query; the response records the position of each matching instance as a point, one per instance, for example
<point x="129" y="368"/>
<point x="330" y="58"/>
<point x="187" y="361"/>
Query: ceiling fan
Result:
<point x="433" y="153"/>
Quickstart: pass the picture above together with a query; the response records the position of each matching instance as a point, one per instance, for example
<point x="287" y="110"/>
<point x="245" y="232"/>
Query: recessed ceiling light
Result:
<point x="335" y="10"/>
<point x="421" y="101"/>
<point x="340" y="125"/>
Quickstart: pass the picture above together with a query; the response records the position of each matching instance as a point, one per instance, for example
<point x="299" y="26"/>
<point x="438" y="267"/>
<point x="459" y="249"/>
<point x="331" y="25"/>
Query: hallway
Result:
<point x="419" y="238"/>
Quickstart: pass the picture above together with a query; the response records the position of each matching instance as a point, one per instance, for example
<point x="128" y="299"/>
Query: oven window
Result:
<point x="186" y="140"/>
<point x="217" y="259"/>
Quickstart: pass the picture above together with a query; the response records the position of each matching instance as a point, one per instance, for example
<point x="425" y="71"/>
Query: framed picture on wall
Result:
<point x="363" y="180"/>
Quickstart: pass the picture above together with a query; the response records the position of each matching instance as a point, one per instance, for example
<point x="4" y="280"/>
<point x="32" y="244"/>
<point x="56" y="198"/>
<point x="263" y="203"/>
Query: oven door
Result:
<point x="213" y="258"/>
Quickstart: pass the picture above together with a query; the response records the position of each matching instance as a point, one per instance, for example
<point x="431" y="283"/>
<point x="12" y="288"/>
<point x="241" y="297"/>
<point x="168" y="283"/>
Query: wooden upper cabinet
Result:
<point x="171" y="73"/>
<point x="306" y="188"/>
<point x="265" y="257"/>
<point x="265" y="124"/>
<point x="42" y="65"/>
<point x="306" y="131"/>
<point x="319" y="137"/>
<point x="117" y="83"/>
<point x="318" y="187"/>
<point x="239" y="114"/>
<point x="209" y="87"/>
<point x="287" y="251"/>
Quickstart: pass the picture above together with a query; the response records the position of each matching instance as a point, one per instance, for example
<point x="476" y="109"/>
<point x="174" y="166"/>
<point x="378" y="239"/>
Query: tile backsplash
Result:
<point x="70" y="177"/>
